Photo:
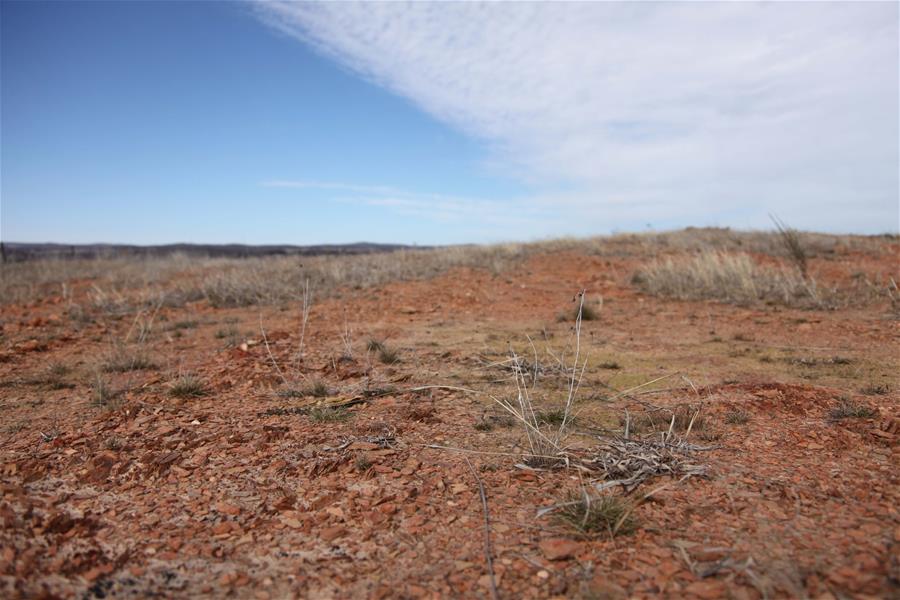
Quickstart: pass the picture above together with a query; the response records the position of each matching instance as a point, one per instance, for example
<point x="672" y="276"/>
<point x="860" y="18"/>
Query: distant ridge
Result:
<point x="17" y="251"/>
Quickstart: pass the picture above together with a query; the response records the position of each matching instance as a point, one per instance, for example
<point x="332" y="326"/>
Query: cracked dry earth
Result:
<point x="241" y="492"/>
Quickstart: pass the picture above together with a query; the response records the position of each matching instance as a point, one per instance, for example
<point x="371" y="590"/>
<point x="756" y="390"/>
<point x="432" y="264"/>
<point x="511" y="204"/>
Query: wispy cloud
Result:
<point x="677" y="111"/>
<point x="435" y="207"/>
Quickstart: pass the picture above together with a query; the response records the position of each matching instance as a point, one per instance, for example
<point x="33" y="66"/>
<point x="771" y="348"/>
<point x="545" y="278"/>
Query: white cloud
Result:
<point x="436" y="207"/>
<point x="668" y="112"/>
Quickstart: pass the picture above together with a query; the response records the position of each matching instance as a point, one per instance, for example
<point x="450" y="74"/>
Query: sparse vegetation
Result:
<point x="113" y="443"/>
<point x="280" y="416"/>
<point x="388" y="355"/>
<point x="808" y="361"/>
<point x="595" y="515"/>
<point x="790" y="240"/>
<point x="682" y="418"/>
<point x="125" y="284"/>
<point x="849" y="409"/>
<point x="588" y="313"/>
<point x="554" y="417"/>
<point x="313" y="389"/>
<point x="484" y="425"/>
<point x="324" y="414"/>
<point x="545" y="445"/>
<point x="103" y="394"/>
<point x="122" y="360"/>
<point x="187" y="386"/>
<point x="231" y="333"/>
<point x="727" y="277"/>
<point x="876" y="389"/>
<point x="318" y="389"/>
<point x="737" y="416"/>
<point x="54" y="377"/>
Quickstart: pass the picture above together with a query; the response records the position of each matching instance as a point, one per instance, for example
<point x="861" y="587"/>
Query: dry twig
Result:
<point x="487" y="533"/>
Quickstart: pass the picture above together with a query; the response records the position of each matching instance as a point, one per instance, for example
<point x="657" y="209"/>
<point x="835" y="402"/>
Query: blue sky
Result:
<point x="433" y="123"/>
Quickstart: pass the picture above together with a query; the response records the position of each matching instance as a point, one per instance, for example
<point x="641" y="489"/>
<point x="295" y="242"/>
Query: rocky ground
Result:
<point x="113" y="485"/>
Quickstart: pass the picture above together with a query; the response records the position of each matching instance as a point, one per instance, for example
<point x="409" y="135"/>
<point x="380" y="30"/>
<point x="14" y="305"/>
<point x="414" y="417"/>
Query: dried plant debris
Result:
<point x="522" y="366"/>
<point x="630" y="462"/>
<point x="619" y="461"/>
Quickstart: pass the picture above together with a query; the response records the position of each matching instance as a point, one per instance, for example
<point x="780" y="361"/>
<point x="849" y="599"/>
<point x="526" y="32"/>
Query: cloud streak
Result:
<point x="435" y="207"/>
<point x="687" y="112"/>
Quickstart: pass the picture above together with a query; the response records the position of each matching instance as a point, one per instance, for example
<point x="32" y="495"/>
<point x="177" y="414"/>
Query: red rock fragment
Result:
<point x="228" y="509"/>
<point x="559" y="548"/>
<point x="332" y="533"/>
<point x="708" y="589"/>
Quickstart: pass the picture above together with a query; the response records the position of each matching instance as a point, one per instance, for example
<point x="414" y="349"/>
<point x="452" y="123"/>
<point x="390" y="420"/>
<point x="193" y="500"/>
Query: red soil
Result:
<point x="219" y="495"/>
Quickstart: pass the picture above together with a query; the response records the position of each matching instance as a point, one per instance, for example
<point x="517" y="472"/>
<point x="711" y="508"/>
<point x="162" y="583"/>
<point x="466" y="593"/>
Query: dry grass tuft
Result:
<point x="54" y="377"/>
<point x="680" y="419"/>
<point x="876" y="389"/>
<point x="848" y="409"/>
<point x="328" y="414"/>
<point x="122" y="361"/>
<point x="737" y="416"/>
<point x="593" y="515"/>
<point x="545" y="446"/>
<point x="727" y="277"/>
<point x="388" y="355"/>
<point x="103" y="394"/>
<point x="315" y="389"/>
<point x="187" y="386"/>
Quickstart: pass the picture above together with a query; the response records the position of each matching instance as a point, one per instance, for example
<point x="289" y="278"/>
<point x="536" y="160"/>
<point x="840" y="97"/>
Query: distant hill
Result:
<point x="15" y="251"/>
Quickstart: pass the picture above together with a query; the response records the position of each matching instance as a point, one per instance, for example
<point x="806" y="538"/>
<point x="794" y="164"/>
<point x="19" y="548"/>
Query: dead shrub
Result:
<point x="790" y="240"/>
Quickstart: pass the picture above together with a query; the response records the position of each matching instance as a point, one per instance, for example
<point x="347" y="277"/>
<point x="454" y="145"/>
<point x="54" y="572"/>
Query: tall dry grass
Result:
<point x="281" y="279"/>
<point x="122" y="284"/>
<point x="727" y="277"/>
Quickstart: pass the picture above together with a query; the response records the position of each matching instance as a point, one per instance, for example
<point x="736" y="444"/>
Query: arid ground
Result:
<point x="718" y="424"/>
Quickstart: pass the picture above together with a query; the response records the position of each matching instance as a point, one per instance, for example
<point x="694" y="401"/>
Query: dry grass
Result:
<point x="593" y="515"/>
<point x="876" y="389"/>
<point x="848" y="409"/>
<point x="187" y="386"/>
<point x="328" y="414"/>
<point x="545" y="445"/>
<point x="53" y="377"/>
<point x="682" y="419"/>
<point x="103" y="394"/>
<point x="123" y="360"/>
<point x="388" y="355"/>
<point x="315" y="389"/>
<point x="737" y="416"/>
<point x="734" y="278"/>
<point x="122" y="285"/>
<point x="276" y="280"/>
<point x="792" y="243"/>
